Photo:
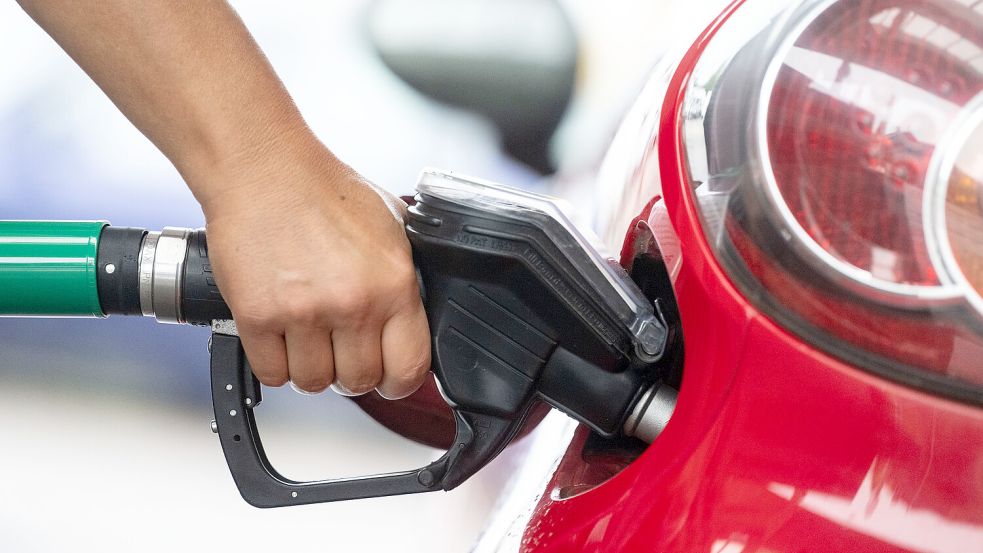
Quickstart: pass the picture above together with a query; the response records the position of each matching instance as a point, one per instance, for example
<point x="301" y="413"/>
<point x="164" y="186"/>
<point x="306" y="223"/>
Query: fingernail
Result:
<point x="339" y="389"/>
<point x="392" y="397"/>
<point x="299" y="390"/>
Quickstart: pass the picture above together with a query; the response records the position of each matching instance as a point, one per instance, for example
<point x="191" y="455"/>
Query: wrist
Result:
<point x="251" y="164"/>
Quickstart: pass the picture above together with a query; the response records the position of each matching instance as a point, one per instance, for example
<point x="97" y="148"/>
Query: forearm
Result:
<point x="187" y="74"/>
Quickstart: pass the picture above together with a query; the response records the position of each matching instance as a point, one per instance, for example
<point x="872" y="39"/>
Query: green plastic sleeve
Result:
<point x="48" y="268"/>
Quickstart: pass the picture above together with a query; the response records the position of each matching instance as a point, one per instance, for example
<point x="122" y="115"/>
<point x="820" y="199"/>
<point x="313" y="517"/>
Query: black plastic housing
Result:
<point x="512" y="321"/>
<point x="201" y="301"/>
<point x="119" y="288"/>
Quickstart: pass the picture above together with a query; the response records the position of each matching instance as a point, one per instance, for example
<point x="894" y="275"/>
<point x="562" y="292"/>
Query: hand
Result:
<point x="315" y="264"/>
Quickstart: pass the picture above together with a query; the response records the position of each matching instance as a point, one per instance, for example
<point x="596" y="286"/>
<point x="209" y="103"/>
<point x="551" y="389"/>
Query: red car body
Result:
<point x="775" y="444"/>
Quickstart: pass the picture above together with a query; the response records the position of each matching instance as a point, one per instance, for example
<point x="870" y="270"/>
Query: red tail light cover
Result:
<point x="821" y="209"/>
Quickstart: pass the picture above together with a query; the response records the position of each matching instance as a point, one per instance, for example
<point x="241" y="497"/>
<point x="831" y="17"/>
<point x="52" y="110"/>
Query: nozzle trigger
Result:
<point x="236" y="393"/>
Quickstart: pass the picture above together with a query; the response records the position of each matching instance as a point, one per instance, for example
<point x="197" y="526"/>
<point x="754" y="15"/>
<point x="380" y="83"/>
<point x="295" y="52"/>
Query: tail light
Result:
<point x="956" y="205"/>
<point x="835" y="149"/>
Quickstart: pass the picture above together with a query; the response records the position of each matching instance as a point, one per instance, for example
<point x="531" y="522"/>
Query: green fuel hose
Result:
<point x="48" y="268"/>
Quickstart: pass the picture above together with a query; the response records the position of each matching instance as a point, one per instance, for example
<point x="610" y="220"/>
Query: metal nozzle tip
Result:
<point x="652" y="413"/>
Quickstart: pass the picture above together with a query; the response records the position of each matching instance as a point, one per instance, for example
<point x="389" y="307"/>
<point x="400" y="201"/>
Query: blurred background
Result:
<point x="105" y="435"/>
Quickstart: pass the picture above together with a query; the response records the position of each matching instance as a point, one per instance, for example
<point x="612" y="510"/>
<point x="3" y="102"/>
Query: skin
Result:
<point x="312" y="259"/>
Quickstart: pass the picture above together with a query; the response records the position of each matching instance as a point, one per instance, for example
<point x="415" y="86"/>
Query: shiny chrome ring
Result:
<point x="172" y="248"/>
<point x="147" y="251"/>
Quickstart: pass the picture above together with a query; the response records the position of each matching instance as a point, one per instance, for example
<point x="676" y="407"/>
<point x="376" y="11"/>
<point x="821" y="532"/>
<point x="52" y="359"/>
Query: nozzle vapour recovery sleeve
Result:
<point x="118" y="270"/>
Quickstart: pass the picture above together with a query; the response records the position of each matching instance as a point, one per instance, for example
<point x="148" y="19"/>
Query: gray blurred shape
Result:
<point x="512" y="61"/>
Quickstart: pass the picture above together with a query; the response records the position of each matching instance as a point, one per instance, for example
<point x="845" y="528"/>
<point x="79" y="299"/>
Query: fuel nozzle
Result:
<point x="532" y="305"/>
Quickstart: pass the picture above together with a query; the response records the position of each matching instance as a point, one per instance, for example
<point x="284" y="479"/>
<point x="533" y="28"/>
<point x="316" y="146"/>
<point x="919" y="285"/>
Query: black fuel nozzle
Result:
<point x="523" y="307"/>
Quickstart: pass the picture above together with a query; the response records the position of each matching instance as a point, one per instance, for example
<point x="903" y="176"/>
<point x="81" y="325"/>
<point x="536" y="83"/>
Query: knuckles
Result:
<point x="300" y="310"/>
<point x="254" y="320"/>
<point x="351" y="304"/>
<point x="362" y="297"/>
<point x="403" y="271"/>
<point x="343" y="306"/>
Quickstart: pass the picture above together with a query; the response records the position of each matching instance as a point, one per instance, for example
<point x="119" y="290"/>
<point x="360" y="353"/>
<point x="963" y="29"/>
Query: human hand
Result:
<point x="317" y="270"/>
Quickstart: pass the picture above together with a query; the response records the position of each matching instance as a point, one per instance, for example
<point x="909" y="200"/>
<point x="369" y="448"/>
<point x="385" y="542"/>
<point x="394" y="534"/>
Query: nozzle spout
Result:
<point x="652" y="413"/>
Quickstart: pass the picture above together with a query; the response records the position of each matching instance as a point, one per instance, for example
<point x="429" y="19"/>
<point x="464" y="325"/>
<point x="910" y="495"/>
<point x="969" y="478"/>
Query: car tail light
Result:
<point x="835" y="149"/>
<point x="956" y="206"/>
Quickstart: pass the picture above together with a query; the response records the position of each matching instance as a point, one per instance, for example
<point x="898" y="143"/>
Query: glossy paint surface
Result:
<point x="774" y="446"/>
<point x="48" y="268"/>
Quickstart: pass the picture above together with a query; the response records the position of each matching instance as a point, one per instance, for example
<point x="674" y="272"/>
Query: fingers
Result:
<point x="357" y="359"/>
<point x="310" y="358"/>
<point x="405" y="352"/>
<point x="267" y="355"/>
<point x="394" y="359"/>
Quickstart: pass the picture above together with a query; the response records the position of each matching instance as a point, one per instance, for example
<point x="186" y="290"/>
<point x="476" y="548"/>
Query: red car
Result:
<point x="800" y="188"/>
<point x="807" y="182"/>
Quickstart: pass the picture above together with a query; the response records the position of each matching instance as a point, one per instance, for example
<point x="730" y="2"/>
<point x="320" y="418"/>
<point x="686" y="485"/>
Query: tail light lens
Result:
<point x="836" y="153"/>
<point x="957" y="207"/>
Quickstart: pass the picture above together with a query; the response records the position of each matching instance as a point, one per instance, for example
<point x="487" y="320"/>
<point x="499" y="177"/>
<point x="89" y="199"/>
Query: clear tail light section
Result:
<point x="956" y="206"/>
<point x="835" y="150"/>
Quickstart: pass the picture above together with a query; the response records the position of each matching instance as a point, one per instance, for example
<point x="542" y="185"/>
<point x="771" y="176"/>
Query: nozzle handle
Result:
<point x="236" y="393"/>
